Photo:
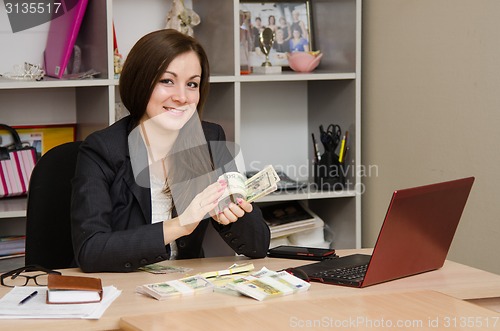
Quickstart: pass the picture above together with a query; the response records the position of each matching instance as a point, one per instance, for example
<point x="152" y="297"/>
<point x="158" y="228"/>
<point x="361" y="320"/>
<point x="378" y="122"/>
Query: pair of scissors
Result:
<point x="331" y="137"/>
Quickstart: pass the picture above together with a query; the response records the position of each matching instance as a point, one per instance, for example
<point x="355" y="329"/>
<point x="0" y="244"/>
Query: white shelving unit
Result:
<point x="271" y="117"/>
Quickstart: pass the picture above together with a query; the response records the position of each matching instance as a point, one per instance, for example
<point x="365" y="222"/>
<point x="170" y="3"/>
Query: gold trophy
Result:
<point x="266" y="40"/>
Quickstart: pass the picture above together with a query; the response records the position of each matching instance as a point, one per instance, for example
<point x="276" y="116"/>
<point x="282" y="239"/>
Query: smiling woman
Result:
<point x="145" y="188"/>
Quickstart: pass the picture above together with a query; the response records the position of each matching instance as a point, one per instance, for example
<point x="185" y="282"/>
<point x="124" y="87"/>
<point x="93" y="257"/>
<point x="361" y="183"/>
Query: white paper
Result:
<point x="37" y="307"/>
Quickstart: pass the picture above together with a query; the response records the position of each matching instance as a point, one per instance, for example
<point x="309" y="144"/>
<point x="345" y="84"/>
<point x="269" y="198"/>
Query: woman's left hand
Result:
<point x="233" y="212"/>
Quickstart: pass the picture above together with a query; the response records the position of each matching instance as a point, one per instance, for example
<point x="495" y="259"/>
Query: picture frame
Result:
<point x="285" y="18"/>
<point x="42" y="137"/>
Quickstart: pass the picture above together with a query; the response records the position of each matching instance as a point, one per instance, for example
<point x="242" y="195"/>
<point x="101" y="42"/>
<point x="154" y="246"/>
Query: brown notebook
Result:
<point x="73" y="289"/>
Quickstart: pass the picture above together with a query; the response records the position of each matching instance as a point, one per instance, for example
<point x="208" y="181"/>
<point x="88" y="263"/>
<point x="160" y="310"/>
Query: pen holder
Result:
<point x="329" y="173"/>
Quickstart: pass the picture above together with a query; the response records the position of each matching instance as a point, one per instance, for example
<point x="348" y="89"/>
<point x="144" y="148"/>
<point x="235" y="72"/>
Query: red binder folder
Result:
<point x="62" y="36"/>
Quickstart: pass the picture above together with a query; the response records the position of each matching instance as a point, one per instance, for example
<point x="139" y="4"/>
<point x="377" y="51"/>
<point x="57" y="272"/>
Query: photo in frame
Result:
<point x="290" y="21"/>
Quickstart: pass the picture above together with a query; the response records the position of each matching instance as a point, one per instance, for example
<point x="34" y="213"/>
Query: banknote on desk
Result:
<point x="233" y="269"/>
<point x="220" y="278"/>
<point x="158" y="268"/>
<point x="251" y="189"/>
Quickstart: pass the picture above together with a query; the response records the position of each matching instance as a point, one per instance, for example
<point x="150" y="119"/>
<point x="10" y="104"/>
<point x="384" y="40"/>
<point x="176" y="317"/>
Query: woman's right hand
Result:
<point x="202" y="204"/>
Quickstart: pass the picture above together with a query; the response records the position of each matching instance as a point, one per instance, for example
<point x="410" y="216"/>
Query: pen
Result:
<point x="316" y="151"/>
<point x="32" y="295"/>
<point x="342" y="150"/>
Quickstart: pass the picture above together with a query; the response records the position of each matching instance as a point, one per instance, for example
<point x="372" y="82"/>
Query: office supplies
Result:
<point x="345" y="147"/>
<point x="329" y="173"/>
<point x="63" y="32"/>
<point x="32" y="295"/>
<point x="38" y="308"/>
<point x="317" y="154"/>
<point x="331" y="137"/>
<point x="73" y="289"/>
<point x="415" y="237"/>
<point x="341" y="150"/>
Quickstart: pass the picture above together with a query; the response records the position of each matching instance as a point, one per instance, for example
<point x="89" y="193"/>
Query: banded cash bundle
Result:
<point x="266" y="284"/>
<point x="173" y="288"/>
<point x="251" y="189"/>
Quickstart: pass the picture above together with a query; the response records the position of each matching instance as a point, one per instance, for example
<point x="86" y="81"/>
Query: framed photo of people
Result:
<point x="289" y="20"/>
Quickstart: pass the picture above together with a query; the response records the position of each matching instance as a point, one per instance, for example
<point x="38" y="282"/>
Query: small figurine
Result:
<point x="118" y="62"/>
<point x="181" y="18"/>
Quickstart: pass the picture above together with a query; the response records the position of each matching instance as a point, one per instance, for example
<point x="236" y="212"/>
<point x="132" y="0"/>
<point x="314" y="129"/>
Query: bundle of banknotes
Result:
<point x="251" y="189"/>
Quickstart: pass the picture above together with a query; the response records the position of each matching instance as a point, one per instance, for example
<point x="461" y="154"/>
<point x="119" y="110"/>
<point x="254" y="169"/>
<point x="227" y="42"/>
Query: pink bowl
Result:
<point x="303" y="61"/>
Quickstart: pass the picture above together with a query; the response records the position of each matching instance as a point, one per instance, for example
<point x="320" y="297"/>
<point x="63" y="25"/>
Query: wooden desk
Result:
<point x="455" y="280"/>
<point x="417" y="310"/>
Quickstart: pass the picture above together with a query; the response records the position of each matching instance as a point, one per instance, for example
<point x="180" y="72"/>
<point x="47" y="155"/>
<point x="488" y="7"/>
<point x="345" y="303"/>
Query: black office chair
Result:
<point x="48" y="228"/>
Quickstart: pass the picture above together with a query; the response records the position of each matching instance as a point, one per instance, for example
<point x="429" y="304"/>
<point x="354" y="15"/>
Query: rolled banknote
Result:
<point x="235" y="189"/>
<point x="251" y="189"/>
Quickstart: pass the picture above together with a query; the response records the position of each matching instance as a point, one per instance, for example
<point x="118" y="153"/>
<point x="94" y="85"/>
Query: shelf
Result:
<point x="222" y="79"/>
<point x="285" y="76"/>
<point x="10" y="84"/>
<point x="293" y="76"/>
<point x="13" y="207"/>
<point x="301" y="195"/>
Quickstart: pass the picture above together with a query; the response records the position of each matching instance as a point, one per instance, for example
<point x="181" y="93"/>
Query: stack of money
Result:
<point x="251" y="189"/>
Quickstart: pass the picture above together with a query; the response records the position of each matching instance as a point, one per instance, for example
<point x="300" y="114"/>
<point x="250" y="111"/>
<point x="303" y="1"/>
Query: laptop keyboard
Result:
<point x="356" y="273"/>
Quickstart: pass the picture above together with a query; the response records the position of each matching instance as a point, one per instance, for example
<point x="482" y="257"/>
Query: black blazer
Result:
<point x="111" y="213"/>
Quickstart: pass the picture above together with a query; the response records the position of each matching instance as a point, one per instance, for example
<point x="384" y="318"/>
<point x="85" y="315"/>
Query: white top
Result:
<point x="161" y="207"/>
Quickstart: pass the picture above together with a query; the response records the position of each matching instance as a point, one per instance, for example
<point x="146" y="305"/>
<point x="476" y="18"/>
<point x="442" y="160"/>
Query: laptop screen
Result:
<point x="418" y="230"/>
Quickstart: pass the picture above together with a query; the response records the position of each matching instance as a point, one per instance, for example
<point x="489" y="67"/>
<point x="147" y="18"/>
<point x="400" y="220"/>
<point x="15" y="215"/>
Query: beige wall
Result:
<point x="431" y="111"/>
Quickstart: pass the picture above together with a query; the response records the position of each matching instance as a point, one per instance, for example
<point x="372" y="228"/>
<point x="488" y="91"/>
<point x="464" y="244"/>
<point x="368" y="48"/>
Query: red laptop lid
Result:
<point x="418" y="230"/>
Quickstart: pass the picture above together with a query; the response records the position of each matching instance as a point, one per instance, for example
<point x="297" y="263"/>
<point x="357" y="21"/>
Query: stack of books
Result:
<point x="12" y="246"/>
<point x="288" y="218"/>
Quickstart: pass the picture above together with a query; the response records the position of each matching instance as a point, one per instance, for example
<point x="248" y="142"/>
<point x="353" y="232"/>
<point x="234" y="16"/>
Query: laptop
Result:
<point x="415" y="237"/>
